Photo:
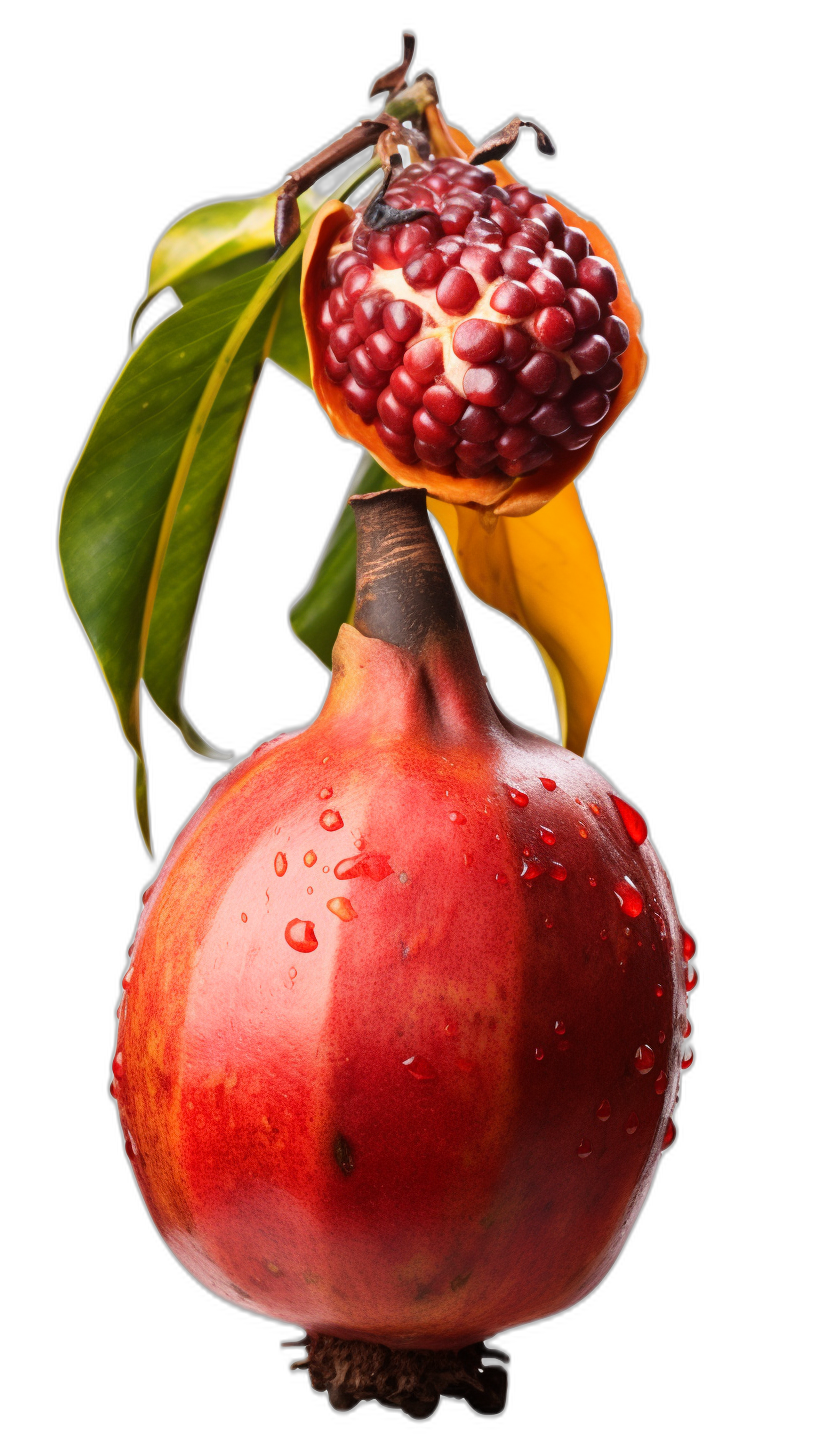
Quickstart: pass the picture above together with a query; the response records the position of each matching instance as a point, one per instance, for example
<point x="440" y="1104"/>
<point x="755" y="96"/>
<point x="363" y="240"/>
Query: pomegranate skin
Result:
<point x="378" y="1138"/>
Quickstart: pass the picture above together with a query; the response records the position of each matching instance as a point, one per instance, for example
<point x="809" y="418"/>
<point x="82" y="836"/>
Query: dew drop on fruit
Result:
<point x="632" y="1123"/>
<point x="299" y="934"/>
<point x="584" y="1148"/>
<point x="688" y="1058"/>
<point x="539" y="1054"/>
<point x="118" y="1066"/>
<point x="130" y="948"/>
<point x="661" y="1083"/>
<point x="420" y="1069"/>
<point x="691" y="980"/>
<point x="531" y="871"/>
<point x="113" y="1090"/>
<point x="604" y="1111"/>
<point x="457" y="818"/>
<point x="560" y="1028"/>
<point x="330" y="819"/>
<point x="501" y="879"/>
<point x="689" y="946"/>
<point x="603" y="935"/>
<point x="629" y="899"/>
<point x="658" y="989"/>
<point x="633" y="823"/>
<point x="325" y="793"/>
<point x="464" y="1065"/>
<point x="549" y="784"/>
<point x="309" y="890"/>
<point x="127" y="977"/>
<point x="644" y="1059"/>
<point x="342" y="908"/>
<point x="669" y="1135"/>
<point x="557" y="872"/>
<point x="593" y="882"/>
<point x="595" y="808"/>
<point x="367" y="866"/>
<point x="582" y="830"/>
<point x="281" y="864"/>
<point x="451" y="1029"/>
<point x="309" y="858"/>
<point x="468" y="858"/>
<point x="548" y="923"/>
<point x="147" y="893"/>
<point x="661" y="1037"/>
<point x="686" y="1027"/>
<point x="547" y="835"/>
<point x="519" y="798"/>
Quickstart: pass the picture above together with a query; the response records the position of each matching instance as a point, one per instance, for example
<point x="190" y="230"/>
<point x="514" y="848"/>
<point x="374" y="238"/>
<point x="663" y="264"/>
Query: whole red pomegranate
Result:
<point x="402" y="1028"/>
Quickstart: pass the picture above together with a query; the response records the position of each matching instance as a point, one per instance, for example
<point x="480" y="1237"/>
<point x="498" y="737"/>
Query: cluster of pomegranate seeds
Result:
<point x="478" y="337"/>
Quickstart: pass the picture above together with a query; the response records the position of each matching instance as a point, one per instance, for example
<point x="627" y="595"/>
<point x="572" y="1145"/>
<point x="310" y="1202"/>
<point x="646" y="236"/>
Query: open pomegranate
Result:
<point x="402" y="1027"/>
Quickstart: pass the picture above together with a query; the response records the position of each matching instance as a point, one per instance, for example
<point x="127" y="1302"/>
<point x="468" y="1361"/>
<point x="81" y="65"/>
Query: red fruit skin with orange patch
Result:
<point x="247" y="1090"/>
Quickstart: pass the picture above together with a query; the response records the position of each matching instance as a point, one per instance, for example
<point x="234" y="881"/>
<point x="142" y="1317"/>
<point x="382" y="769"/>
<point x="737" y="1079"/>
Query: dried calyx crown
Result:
<point x="404" y="122"/>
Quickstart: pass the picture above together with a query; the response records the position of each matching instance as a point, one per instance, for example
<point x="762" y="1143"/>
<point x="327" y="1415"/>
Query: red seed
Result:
<point x="425" y="270"/>
<point x="343" y="339"/>
<point x="536" y="232"/>
<point x="522" y="198"/>
<point x="435" y="455"/>
<point x="539" y="373"/>
<point x="548" y="289"/>
<point x="356" y="282"/>
<point x="334" y="367"/>
<point x="588" y="404"/>
<point x="478" y="423"/>
<point x="401" y="319"/>
<point x="457" y="291"/>
<point x="599" y="278"/>
<point x="401" y="445"/>
<point x="525" y="241"/>
<point x="368" y="313"/>
<point x="432" y="431"/>
<point x="325" y="322"/>
<point x="518" y="263"/>
<point x="424" y="360"/>
<point x="437" y="183"/>
<point x="495" y="191"/>
<point x="514" y="299"/>
<point x="407" y="390"/>
<point x="551" y="218"/>
<point x="483" y="230"/>
<point x="383" y="350"/>
<point x="365" y="370"/>
<point x="482" y="262"/>
<point x="444" y="403"/>
<point x="363" y="401"/>
<point x="518" y="407"/>
<point x="608" y="378"/>
<point x="487" y="384"/>
<point x="560" y="263"/>
<point x="339" y="306"/>
<point x="616" y="334"/>
<point x="516" y="346"/>
<point x="343" y="264"/>
<point x="455" y="217"/>
<point x="516" y="441"/>
<point x="555" y="327"/>
<point x="583" y="307"/>
<point x="589" y="352"/>
<point x="394" y="414"/>
<point x="575" y="438"/>
<point x="451" y="250"/>
<point x="475" y="452"/>
<point x="551" y="418"/>
<point x="381" y="250"/>
<point x="562" y="383"/>
<point x="506" y="217"/>
<point x="477" y="177"/>
<point x="576" y="243"/>
<point x="478" y="341"/>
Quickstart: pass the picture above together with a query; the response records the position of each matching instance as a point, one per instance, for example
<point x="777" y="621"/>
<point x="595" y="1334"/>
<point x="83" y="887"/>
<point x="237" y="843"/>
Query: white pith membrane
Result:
<point x="540" y="445"/>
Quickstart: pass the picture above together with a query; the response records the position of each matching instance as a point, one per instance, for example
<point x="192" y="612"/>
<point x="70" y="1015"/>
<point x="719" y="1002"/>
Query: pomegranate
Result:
<point x="404" y="1019"/>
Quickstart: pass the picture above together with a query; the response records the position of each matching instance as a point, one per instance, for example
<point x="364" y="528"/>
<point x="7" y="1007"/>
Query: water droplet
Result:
<point x="548" y="923"/>
<point x="593" y="882"/>
<point x="632" y="1124"/>
<point x="468" y="858"/>
<point x="582" y="830"/>
<point x="457" y="818"/>
<point x="325" y="869"/>
<point x="464" y="1065"/>
<point x="560" y="1028"/>
<point x="577" y="801"/>
<point x="243" y="916"/>
<point x="113" y="1090"/>
<point x="644" y="1059"/>
<point x="281" y="864"/>
<point x="127" y="977"/>
<point x="584" y="1148"/>
<point x="118" y="1066"/>
<point x="309" y="858"/>
<point x="342" y="908"/>
<point x="326" y="759"/>
<point x="661" y="1037"/>
<point x="359" y="843"/>
<point x="300" y="935"/>
<point x="686" y="1027"/>
<point x="549" y="784"/>
<point x="531" y="871"/>
<point x="148" y="892"/>
<point x="691" y="980"/>
<point x="557" y="872"/>
<point x="330" y="819"/>
<point x="669" y="1135"/>
<point x="451" y="1029"/>
<point x="309" y="890"/>
<point x="661" y="925"/>
<point x="661" y="1083"/>
<point x="628" y="930"/>
<point x="518" y="797"/>
<point x="634" y="823"/>
<point x="539" y="1054"/>
<point x="325" y="793"/>
<point x="629" y="899"/>
<point x="501" y="879"/>
<point x="547" y="835"/>
<point x="604" y="1111"/>
<point x="131" y="1148"/>
<point x="367" y="866"/>
<point x="420" y="1068"/>
<point x="130" y="948"/>
<point x="688" y="1058"/>
<point x="595" y="808"/>
<point x="689" y="946"/>
<point x="603" y="935"/>
<point x="658" y="990"/>
<point x="527" y="852"/>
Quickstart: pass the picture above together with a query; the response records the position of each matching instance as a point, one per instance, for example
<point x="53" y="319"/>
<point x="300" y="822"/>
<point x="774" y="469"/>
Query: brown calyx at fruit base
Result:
<point x="491" y="491"/>
<point x="411" y="1380"/>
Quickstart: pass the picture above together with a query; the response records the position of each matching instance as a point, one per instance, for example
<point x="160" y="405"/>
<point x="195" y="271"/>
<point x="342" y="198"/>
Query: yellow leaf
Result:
<point x="543" y="571"/>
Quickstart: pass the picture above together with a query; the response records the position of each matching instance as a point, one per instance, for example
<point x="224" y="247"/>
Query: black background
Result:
<point x="127" y="155"/>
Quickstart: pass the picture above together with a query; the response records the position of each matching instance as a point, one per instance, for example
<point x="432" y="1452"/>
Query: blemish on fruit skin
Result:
<point x="343" y="1155"/>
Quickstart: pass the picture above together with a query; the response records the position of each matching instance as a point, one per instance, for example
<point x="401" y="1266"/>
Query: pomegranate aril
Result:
<point x="589" y="352"/>
<point x="343" y="339"/>
<point x="487" y="384"/>
<point x="401" y="319"/>
<point x="560" y="263"/>
<point x="479" y="423"/>
<point x="416" y="172"/>
<point x="518" y="407"/>
<point x="482" y="262"/>
<point x="473" y="472"/>
<point x="410" y="239"/>
<point x="506" y="217"/>
<point x="494" y="190"/>
<point x="583" y="307"/>
<point x="450" y="166"/>
<point x="425" y="270"/>
<point x="526" y="240"/>
<point x="325" y="322"/>
<point x="518" y="262"/>
<point x="444" y="403"/>
<point x="477" y="177"/>
<point x="364" y="369"/>
<point x="432" y="431"/>
<point x="537" y="233"/>
<point x="343" y="264"/>
<point x="451" y="250"/>
<point x="476" y="452"/>
<point x="513" y="299"/>
<point x="483" y="229"/>
<point x="554" y="327"/>
<point x="457" y="292"/>
<point x="422" y="196"/>
<point x="516" y="346"/>
<point x="516" y="441"/>
<point x="599" y="278"/>
<point x="394" y="413"/>
<point x="608" y="378"/>
<point x="562" y="383"/>
<point x="383" y="351"/>
<point x="435" y="455"/>
<point x="368" y="312"/>
<point x="356" y="282"/>
<point x="406" y="388"/>
<point x="616" y="334"/>
<point x="539" y="373"/>
<point x="527" y="463"/>
<point x="401" y="445"/>
<point x="549" y="291"/>
<point x="551" y="218"/>
<point x="339" y="306"/>
<point x="424" y="360"/>
<point x="588" y="404"/>
<point x="336" y="368"/>
<point x="467" y="197"/>
<point x="381" y="250"/>
<point x="361" y="238"/>
<point x="438" y="183"/>
<point x="575" y="438"/>
<point x="551" y="418"/>
<point x="362" y="400"/>
<point x="479" y="341"/>
<point x="455" y="218"/>
<point x="576" y="243"/>
<point x="522" y="198"/>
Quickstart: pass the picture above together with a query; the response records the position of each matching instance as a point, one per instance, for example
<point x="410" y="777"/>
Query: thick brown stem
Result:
<point x="412" y="1380"/>
<point x="404" y="592"/>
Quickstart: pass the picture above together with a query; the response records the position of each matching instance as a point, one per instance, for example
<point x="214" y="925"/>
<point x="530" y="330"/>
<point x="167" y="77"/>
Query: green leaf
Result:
<point x="317" y="616"/>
